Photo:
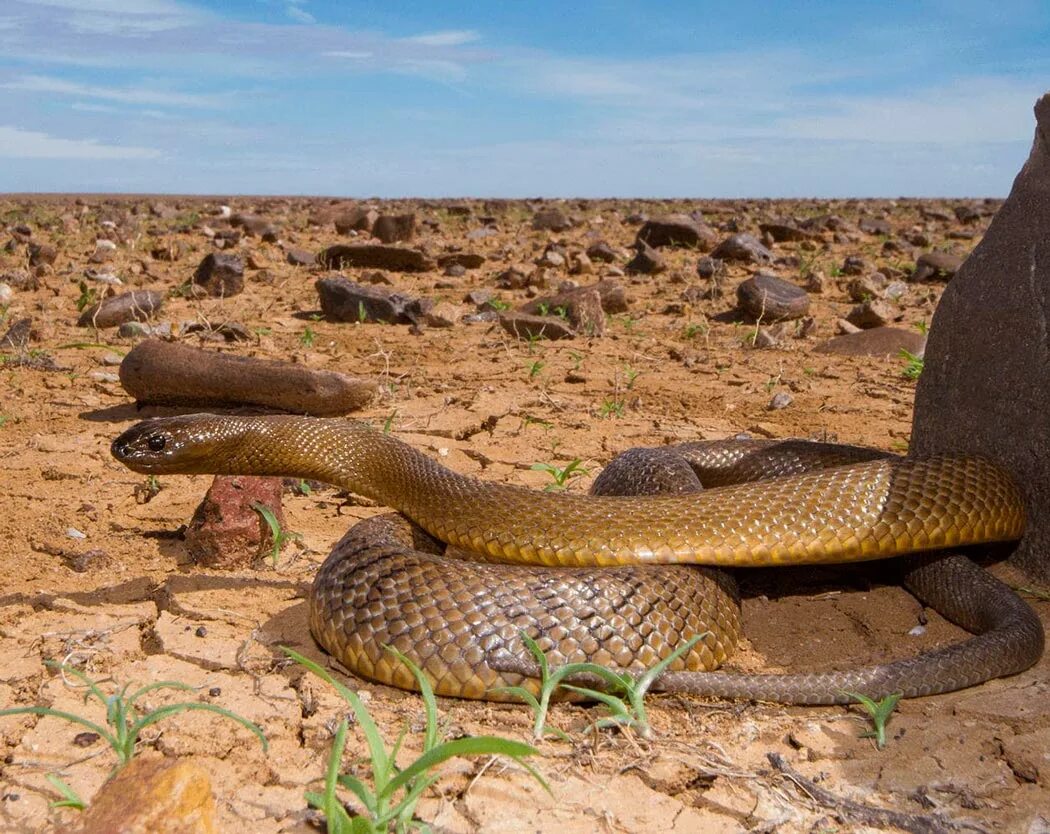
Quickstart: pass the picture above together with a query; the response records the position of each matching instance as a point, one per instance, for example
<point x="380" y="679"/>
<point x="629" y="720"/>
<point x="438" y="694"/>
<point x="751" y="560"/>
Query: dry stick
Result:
<point x="869" y="814"/>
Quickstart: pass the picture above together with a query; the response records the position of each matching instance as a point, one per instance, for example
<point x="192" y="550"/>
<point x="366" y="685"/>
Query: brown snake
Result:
<point x="386" y="582"/>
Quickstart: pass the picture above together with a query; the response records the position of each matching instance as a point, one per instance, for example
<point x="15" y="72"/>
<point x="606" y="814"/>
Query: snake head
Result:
<point x="163" y="445"/>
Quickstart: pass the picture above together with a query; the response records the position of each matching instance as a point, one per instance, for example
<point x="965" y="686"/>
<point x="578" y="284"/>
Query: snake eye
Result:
<point x="156" y="442"/>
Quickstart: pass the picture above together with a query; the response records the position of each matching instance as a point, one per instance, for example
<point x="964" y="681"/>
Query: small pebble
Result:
<point x="74" y="533"/>
<point x="779" y="401"/>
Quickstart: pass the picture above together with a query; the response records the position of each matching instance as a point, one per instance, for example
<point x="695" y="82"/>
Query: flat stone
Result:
<point x="769" y="298"/>
<point x="358" y="219"/>
<point x="743" y="247"/>
<point x="467" y="260"/>
<point x="879" y="341"/>
<point x="300" y="257"/>
<point x="152" y="796"/>
<point x="602" y="251"/>
<point x="1028" y="756"/>
<point x="788" y="233"/>
<point x="42" y="254"/>
<point x="138" y="305"/>
<point x="526" y="326"/>
<point x="984" y="389"/>
<point x="375" y="256"/>
<point x="345" y="300"/>
<point x="254" y="225"/>
<point x="220" y="275"/>
<point x="226" y="532"/>
<point x="678" y="230"/>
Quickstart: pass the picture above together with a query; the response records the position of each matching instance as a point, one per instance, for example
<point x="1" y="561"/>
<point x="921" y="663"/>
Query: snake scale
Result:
<point x="620" y="579"/>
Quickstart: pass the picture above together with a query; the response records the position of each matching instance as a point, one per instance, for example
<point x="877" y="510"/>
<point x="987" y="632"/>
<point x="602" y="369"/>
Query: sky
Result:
<point x="520" y="98"/>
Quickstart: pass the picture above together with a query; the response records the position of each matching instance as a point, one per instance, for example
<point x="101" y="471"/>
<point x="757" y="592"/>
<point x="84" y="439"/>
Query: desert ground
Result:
<point x="95" y="572"/>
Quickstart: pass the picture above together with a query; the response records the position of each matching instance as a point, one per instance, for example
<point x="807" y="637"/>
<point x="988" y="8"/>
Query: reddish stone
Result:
<point x="226" y="532"/>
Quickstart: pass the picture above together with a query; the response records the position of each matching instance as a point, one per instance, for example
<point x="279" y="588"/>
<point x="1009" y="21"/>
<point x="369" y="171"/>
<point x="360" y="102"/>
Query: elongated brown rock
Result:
<point x="171" y="374"/>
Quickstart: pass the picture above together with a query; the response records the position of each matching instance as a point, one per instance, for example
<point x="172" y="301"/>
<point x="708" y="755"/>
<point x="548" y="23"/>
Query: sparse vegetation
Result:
<point x="278" y="536"/>
<point x="389" y="802"/>
<point x="879" y="713"/>
<point x="913" y="364"/>
<point x="562" y="475"/>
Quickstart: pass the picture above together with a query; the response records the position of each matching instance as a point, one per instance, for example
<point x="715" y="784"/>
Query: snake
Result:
<point x="625" y="575"/>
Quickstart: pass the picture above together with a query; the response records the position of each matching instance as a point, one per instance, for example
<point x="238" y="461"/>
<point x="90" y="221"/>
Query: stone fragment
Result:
<point x="467" y="260"/>
<point x="1028" y="756"/>
<point x="220" y="275"/>
<point x="780" y="400"/>
<point x="152" y="796"/>
<point x="678" y="230"/>
<point x="936" y="265"/>
<point x="984" y="390"/>
<point x="875" y="226"/>
<point x="872" y="313"/>
<point x="171" y="374"/>
<point x="551" y="219"/>
<point x="42" y="254"/>
<point x="856" y="265"/>
<point x="743" y="247"/>
<point x="254" y="225"/>
<point x="359" y="219"/>
<point x="395" y="228"/>
<point x="226" y="531"/>
<point x="300" y="257"/>
<point x="788" y="233"/>
<point x="527" y="326"/>
<point x="646" y="260"/>
<point x="582" y="307"/>
<point x="866" y="287"/>
<point x="345" y="300"/>
<point x="879" y="341"/>
<point x="443" y="314"/>
<point x="138" y="305"/>
<point x="602" y="251"/>
<point x="769" y="298"/>
<point x="17" y="335"/>
<point x="375" y="256"/>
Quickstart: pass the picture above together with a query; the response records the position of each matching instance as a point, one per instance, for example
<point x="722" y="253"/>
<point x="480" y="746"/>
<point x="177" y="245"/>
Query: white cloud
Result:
<point x="16" y="143"/>
<point x="296" y="12"/>
<point x="124" y="95"/>
<point x="447" y="37"/>
<point x="353" y="54"/>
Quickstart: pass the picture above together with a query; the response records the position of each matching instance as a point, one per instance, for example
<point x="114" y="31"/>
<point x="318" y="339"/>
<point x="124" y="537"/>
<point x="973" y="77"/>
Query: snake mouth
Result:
<point x="156" y="447"/>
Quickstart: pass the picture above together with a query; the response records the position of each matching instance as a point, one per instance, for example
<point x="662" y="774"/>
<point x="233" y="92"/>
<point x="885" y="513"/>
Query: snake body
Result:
<point x="386" y="582"/>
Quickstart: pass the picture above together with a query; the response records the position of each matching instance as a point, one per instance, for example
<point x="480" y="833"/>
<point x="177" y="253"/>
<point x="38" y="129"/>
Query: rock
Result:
<point x="152" y="796"/>
<point x="846" y="328"/>
<point x="21" y="280"/>
<point x="743" y="247"/>
<point x="866" y="288"/>
<point x="875" y="226"/>
<point x="443" y="314"/>
<point x="984" y="389"/>
<point x="42" y="254"/>
<point x="395" y="228"/>
<point x="138" y="330"/>
<point x="551" y="219"/>
<point x="678" y="230"/>
<point x="779" y="401"/>
<point x="345" y="300"/>
<point x="170" y="250"/>
<point x="300" y="257"/>
<point x="1028" y="756"/>
<point x="359" y="219"/>
<point x="856" y="265"/>
<point x="788" y="233"/>
<point x="254" y="225"/>
<point x="18" y="335"/>
<point x="467" y="260"/>
<point x="879" y="341"/>
<point x="226" y="532"/>
<point x="581" y="306"/>
<point x="516" y="277"/>
<point x="939" y="265"/>
<point x="375" y="256"/>
<point x="872" y="313"/>
<point x="646" y="260"/>
<point x="220" y="275"/>
<point x="526" y="326"/>
<point x="711" y="268"/>
<point x="171" y="374"/>
<point x="765" y="297"/>
<point x="138" y="305"/>
<point x="602" y="251"/>
<point x="764" y="339"/>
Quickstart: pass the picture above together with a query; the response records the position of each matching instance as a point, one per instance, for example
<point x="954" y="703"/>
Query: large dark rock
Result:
<point x="878" y="341"/>
<point x="764" y="297"/>
<point x="678" y="230"/>
<point x="345" y="300"/>
<point x="137" y="305"/>
<point x="220" y="275"/>
<point x="985" y="389"/>
<point x="395" y="228"/>
<point x="743" y="247"/>
<point x="374" y="256"/>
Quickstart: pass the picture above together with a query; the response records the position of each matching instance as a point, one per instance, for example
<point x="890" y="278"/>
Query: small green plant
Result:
<point x="3" y="419"/>
<point x="879" y="713"/>
<point x="535" y="368"/>
<point x="543" y="308"/>
<point x="308" y="337"/>
<point x="498" y="304"/>
<point x="577" y="359"/>
<point x="278" y="535"/>
<point x="622" y="713"/>
<point x="631" y="375"/>
<point x="388" y="423"/>
<point x="70" y="798"/>
<point x="693" y="330"/>
<point x="628" y="322"/>
<point x="923" y="327"/>
<point x="123" y="721"/>
<point x="561" y="475"/>
<point x="88" y="296"/>
<point x="1038" y="593"/>
<point x="262" y="331"/>
<point x="611" y="408"/>
<point x="391" y="799"/>
<point x="913" y="365"/>
<point x="362" y="313"/>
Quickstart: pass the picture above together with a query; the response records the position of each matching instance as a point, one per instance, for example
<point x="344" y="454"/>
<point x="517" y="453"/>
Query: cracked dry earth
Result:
<point x="96" y="578"/>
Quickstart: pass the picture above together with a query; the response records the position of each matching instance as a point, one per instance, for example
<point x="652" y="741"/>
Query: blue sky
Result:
<point x="519" y="99"/>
